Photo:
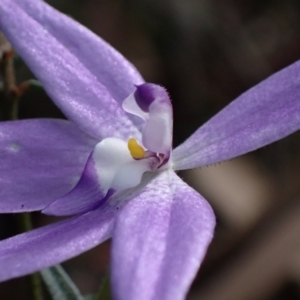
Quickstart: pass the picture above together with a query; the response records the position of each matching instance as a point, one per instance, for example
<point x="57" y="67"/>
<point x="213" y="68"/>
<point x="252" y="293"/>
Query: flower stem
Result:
<point x="36" y="287"/>
<point x="104" y="291"/>
<point x="35" y="279"/>
<point x="10" y="105"/>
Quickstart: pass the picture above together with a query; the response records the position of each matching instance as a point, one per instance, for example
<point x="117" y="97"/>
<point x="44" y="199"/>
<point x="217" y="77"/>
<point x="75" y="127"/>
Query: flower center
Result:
<point x="136" y="150"/>
<point x="120" y="165"/>
<point x="117" y="168"/>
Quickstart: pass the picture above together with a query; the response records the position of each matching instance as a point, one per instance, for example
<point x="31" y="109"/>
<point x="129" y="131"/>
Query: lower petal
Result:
<point x="46" y="246"/>
<point x="41" y="160"/>
<point x="160" y="239"/>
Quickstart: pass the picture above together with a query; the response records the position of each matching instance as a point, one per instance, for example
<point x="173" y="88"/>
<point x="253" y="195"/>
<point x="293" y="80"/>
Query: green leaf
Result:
<point x="60" y="285"/>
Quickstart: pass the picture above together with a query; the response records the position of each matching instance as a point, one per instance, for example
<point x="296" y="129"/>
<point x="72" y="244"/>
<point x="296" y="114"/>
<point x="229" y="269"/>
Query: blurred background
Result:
<point x="206" y="53"/>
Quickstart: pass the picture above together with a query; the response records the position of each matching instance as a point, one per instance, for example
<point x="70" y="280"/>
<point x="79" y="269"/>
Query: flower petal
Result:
<point x="41" y="160"/>
<point x="159" y="241"/>
<point x="112" y="69"/>
<point x="264" y="114"/>
<point x="52" y="244"/>
<point x="152" y="103"/>
<point x="81" y="73"/>
<point x="85" y="196"/>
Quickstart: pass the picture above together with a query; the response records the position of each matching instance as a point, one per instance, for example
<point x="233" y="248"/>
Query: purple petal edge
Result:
<point x="85" y="196"/>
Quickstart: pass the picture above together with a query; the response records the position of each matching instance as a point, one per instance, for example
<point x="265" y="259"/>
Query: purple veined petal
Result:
<point x="41" y="160"/>
<point x="52" y="244"/>
<point x="65" y="56"/>
<point x="151" y="103"/>
<point x="159" y="241"/>
<point x="266" y="113"/>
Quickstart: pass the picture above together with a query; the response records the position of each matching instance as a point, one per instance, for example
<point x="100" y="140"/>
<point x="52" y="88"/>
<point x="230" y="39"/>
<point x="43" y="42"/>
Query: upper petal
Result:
<point x="52" y="244"/>
<point x="112" y="69"/>
<point x="151" y="103"/>
<point x="264" y="114"/>
<point x="159" y="241"/>
<point x="82" y="74"/>
<point x="41" y="160"/>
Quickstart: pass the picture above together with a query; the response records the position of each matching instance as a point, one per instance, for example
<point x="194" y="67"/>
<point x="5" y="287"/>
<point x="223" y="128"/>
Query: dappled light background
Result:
<point x="206" y="53"/>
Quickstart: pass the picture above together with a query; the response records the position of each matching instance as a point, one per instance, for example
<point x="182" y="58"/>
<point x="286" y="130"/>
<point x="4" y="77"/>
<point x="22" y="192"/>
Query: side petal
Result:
<point x="159" y="241"/>
<point x="81" y="73"/>
<point x="40" y="160"/>
<point x="266" y="113"/>
<point x="46" y="246"/>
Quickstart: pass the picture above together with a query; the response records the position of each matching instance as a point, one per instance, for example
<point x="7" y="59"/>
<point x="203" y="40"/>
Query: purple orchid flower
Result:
<point x="116" y="173"/>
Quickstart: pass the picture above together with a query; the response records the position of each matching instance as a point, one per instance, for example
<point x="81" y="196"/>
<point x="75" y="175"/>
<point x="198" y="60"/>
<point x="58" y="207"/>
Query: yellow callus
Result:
<point x="136" y="150"/>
